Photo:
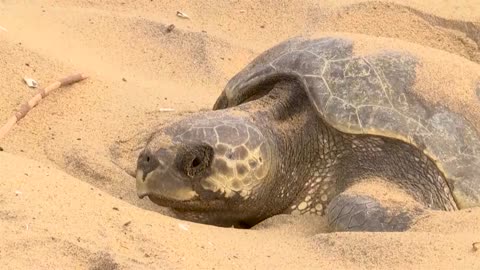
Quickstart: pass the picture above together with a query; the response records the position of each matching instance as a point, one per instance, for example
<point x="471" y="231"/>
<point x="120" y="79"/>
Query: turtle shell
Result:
<point x="367" y="85"/>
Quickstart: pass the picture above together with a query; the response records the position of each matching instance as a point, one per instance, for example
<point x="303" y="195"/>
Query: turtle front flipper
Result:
<point x="373" y="205"/>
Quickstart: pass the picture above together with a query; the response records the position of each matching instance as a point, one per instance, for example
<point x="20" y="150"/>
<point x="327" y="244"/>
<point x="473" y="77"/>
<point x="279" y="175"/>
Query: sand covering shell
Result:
<point x="360" y="87"/>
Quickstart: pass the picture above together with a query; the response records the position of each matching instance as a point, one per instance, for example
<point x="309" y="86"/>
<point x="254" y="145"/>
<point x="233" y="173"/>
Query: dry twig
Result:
<point x="42" y="93"/>
<point x="182" y="15"/>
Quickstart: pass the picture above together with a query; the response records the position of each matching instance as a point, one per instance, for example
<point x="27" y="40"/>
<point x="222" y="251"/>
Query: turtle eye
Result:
<point x="194" y="160"/>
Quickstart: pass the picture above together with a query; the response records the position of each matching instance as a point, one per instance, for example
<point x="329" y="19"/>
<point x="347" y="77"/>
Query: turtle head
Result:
<point x="206" y="166"/>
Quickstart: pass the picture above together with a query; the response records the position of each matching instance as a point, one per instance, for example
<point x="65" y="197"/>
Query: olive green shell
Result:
<point x="366" y="85"/>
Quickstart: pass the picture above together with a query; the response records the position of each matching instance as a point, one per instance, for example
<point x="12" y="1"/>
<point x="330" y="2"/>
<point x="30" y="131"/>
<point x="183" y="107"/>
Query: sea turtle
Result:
<point x="372" y="132"/>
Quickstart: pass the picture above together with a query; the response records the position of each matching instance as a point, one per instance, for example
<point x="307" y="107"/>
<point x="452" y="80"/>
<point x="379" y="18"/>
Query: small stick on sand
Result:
<point x="166" y="110"/>
<point x="42" y="93"/>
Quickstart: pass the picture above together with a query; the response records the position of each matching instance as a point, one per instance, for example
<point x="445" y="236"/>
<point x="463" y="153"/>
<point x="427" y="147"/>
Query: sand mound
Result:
<point x="52" y="220"/>
<point x="66" y="195"/>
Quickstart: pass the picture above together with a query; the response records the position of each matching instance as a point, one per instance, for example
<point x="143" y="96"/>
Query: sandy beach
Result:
<point x="67" y="199"/>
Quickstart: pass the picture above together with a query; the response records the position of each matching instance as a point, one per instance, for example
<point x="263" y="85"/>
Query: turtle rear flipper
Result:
<point x="373" y="206"/>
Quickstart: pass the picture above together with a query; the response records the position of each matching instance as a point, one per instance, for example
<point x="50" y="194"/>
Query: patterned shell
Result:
<point x="366" y="85"/>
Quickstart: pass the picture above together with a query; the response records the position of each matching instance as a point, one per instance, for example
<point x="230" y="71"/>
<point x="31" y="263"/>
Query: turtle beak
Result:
<point x="142" y="190"/>
<point x="157" y="180"/>
<point x="146" y="164"/>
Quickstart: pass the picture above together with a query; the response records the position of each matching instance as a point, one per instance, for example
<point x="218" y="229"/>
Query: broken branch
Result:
<point x="42" y="93"/>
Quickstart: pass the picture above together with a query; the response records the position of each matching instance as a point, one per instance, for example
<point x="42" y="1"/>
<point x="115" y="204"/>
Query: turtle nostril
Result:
<point x="147" y="162"/>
